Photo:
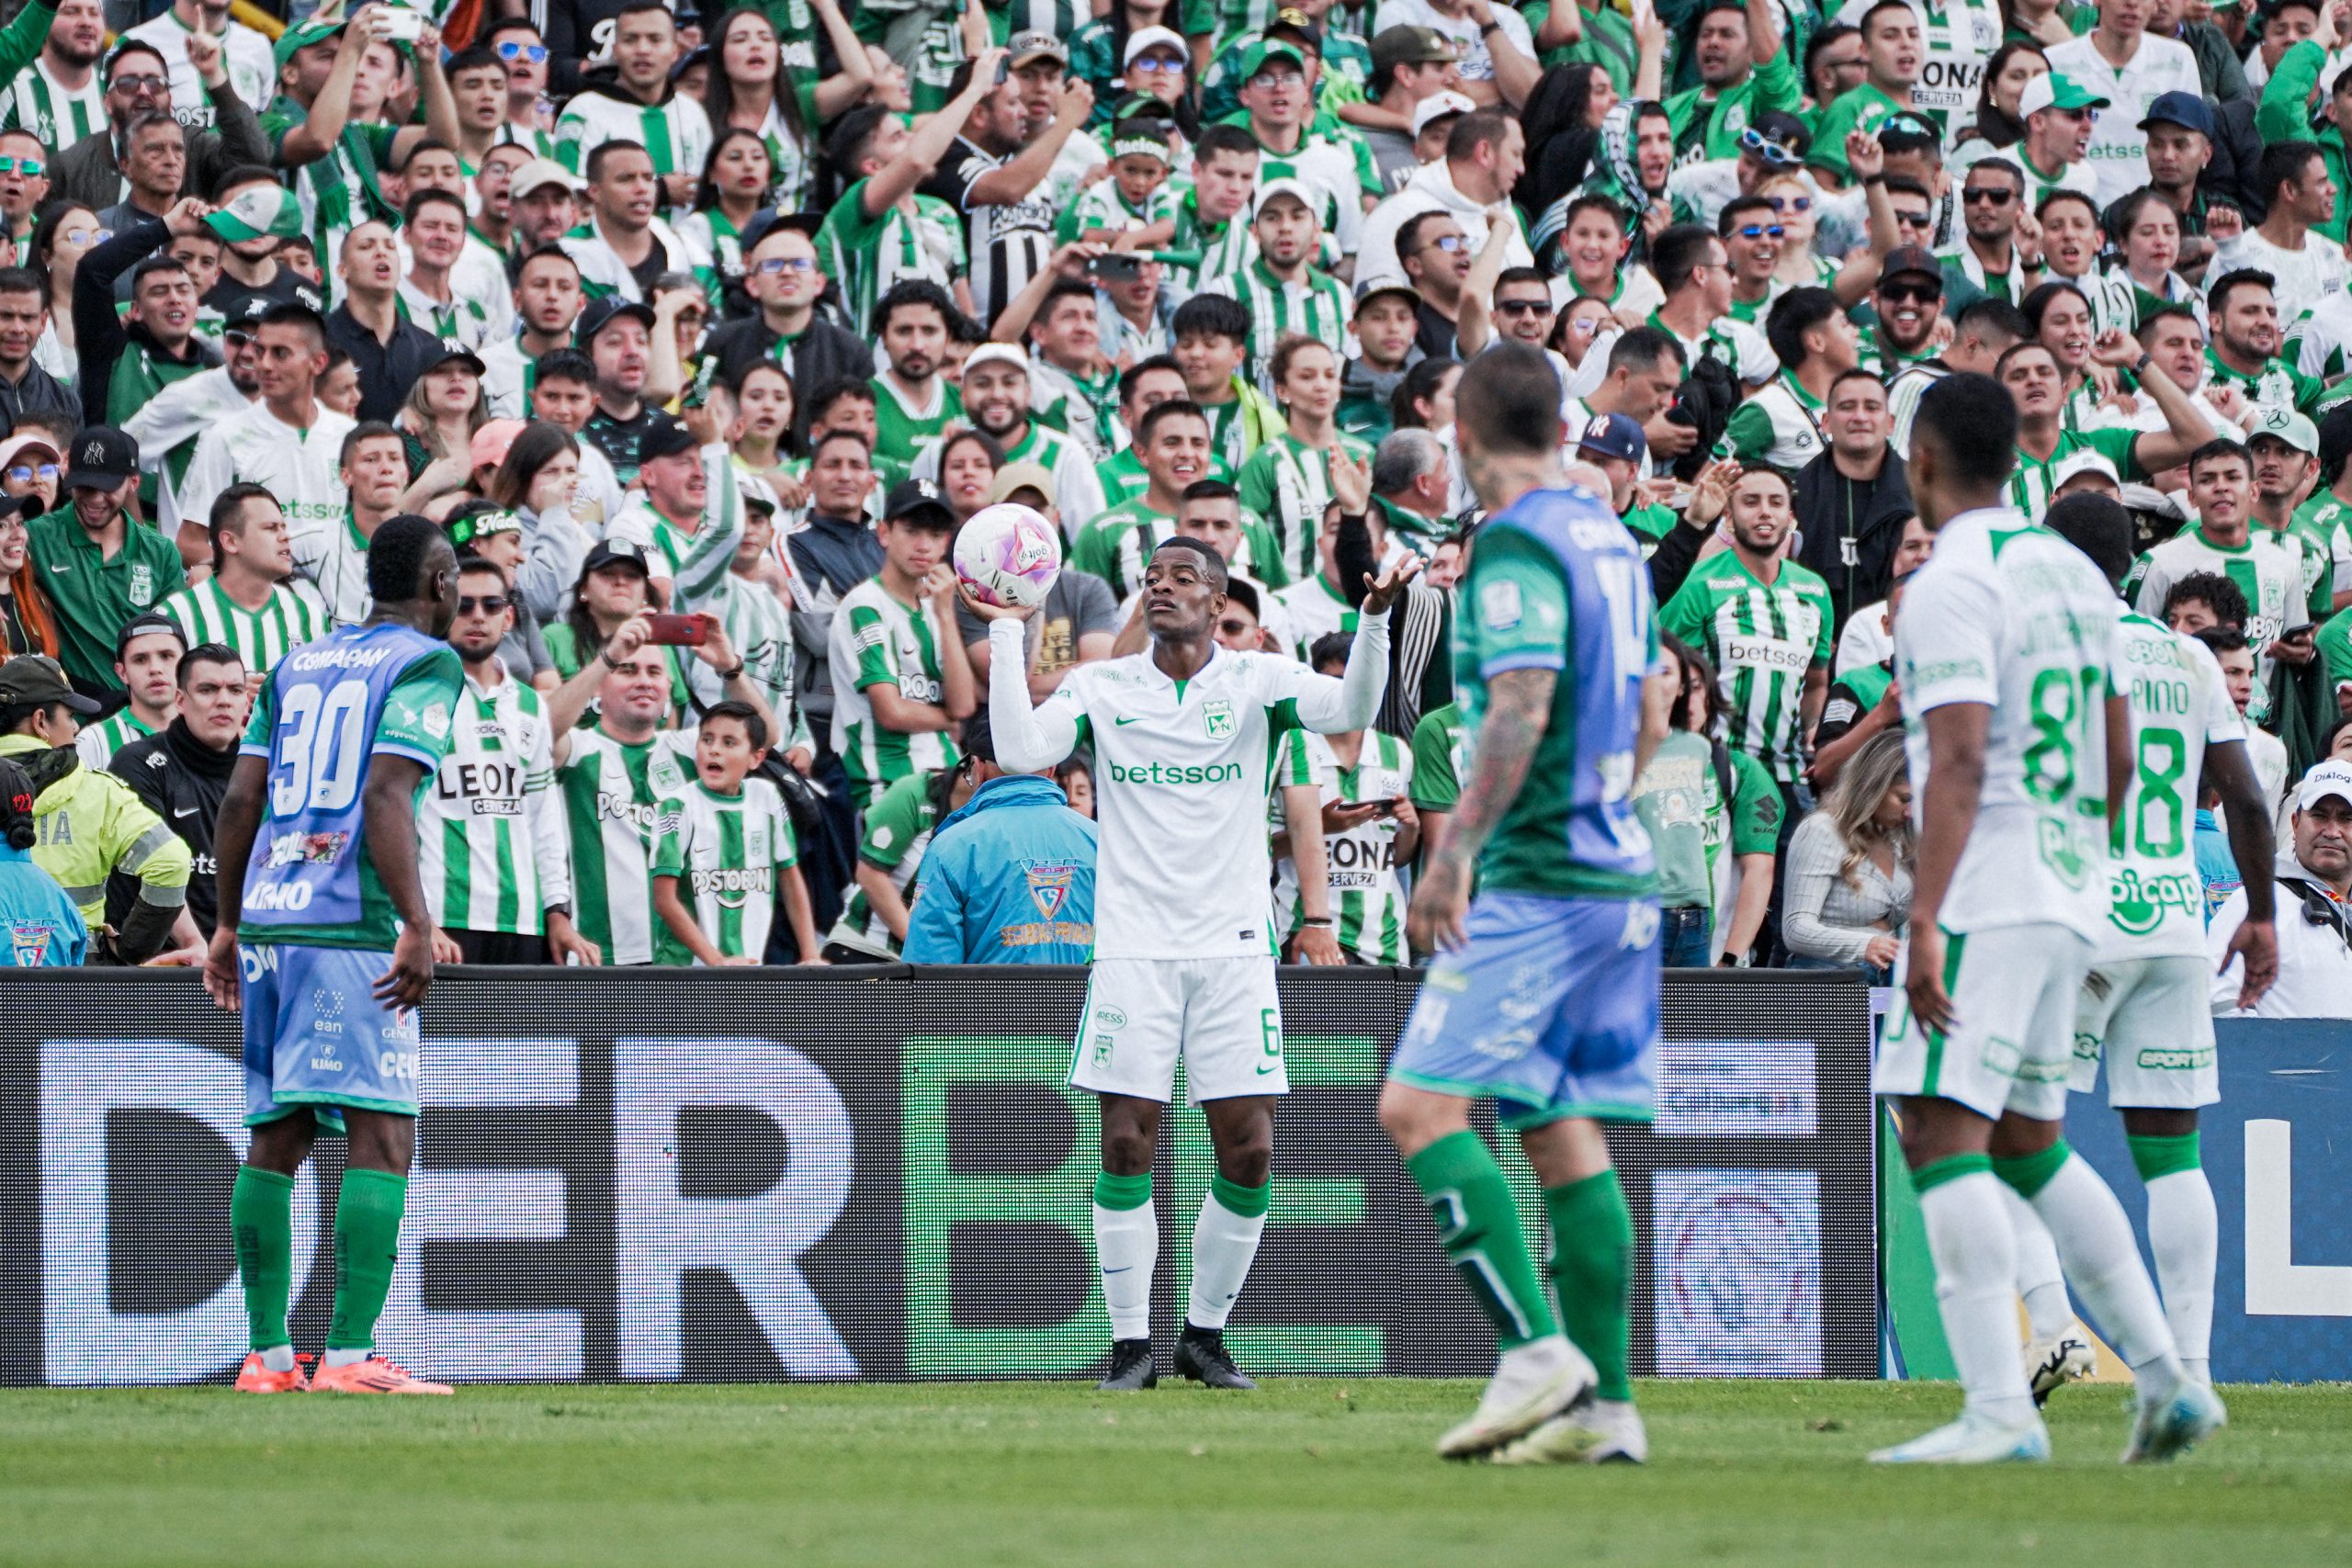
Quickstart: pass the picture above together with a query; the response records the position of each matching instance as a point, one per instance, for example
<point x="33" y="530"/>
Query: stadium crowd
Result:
<point x="701" y="333"/>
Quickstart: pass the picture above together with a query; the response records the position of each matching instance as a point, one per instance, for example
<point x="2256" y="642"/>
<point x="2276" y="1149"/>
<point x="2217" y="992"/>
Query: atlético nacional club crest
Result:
<point x="1218" y="719"/>
<point x="141" y="589"/>
<point x="1050" y="888"/>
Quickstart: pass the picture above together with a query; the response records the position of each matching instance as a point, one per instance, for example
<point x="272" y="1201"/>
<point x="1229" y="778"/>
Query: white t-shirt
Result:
<point x="2013" y="617"/>
<point x="2304" y="279"/>
<point x="2119" y="150"/>
<point x="2180" y="702"/>
<point x="1477" y="65"/>
<point x="1181" y="776"/>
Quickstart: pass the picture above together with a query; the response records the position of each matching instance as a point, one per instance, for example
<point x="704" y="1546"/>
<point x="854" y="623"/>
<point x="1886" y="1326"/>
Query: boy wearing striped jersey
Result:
<point x="2143" y="1008"/>
<point x="490" y="833"/>
<point x="640" y="106"/>
<point x="1283" y="292"/>
<point x="900" y="675"/>
<point x="288" y="443"/>
<point x="2010" y="662"/>
<point x="1183" y="737"/>
<point x="724" y="842"/>
<point x="1364" y="778"/>
<point x="1764" y="623"/>
<point x="252" y="602"/>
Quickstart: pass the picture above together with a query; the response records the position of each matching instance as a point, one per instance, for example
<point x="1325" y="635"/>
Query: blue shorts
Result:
<point x="315" y="1034"/>
<point x="1551" y="1010"/>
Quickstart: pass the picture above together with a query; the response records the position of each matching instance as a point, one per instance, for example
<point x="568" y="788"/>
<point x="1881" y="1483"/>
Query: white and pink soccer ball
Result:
<point x="1010" y="555"/>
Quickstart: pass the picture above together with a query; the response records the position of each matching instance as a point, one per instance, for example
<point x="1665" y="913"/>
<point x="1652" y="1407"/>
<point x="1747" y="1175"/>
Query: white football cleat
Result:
<point x="1531" y="1384"/>
<point x="2051" y="1364"/>
<point x="1600" y="1431"/>
<point x="2170" y="1425"/>
<point x="1972" y="1439"/>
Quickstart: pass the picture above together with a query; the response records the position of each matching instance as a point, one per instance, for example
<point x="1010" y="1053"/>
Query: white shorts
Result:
<point x="2014" y="991"/>
<point x="1220" y="1014"/>
<point x="2150" y="1019"/>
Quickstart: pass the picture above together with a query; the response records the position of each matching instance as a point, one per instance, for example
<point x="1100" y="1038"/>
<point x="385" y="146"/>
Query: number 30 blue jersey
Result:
<point x="329" y="707"/>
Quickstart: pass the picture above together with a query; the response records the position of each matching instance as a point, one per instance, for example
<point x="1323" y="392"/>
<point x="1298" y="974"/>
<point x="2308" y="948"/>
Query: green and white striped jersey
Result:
<point x="897" y="831"/>
<point x="876" y="640"/>
<point x="603" y="274"/>
<point x="759" y="629"/>
<point x="1311" y="609"/>
<point x="729" y="853"/>
<point x="97" y="744"/>
<point x="1780" y="427"/>
<point x="1118" y="543"/>
<point x="1288" y="483"/>
<point x="1367" y="896"/>
<point x="676" y="132"/>
<point x="1764" y="639"/>
<point x="1314" y="305"/>
<point x="2279" y="590"/>
<point x="865" y="255"/>
<point x="59" y="116"/>
<point x="491" y="842"/>
<point x="293" y="615"/>
<point x="692" y="564"/>
<point x="2326" y="522"/>
<point x="462" y="322"/>
<point x="1226" y="248"/>
<point x="609" y="792"/>
<point x="2036" y="479"/>
<point x="903" y="428"/>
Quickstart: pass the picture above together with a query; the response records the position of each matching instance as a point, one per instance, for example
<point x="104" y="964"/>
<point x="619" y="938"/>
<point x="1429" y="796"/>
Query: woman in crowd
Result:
<point x="736" y="181"/>
<point x="607" y="595"/>
<point x="1424" y="399"/>
<point x="27" y="624"/>
<point x="1287" y="481"/>
<point x="1996" y="127"/>
<point x="537" y="477"/>
<point x="437" y="421"/>
<point x="64" y="234"/>
<point x="758" y="84"/>
<point x="1578" y="327"/>
<point x="2066" y="325"/>
<point x="760" y="433"/>
<point x="1850" y="868"/>
<point x="1796" y="207"/>
<point x="2147" y="232"/>
<point x="968" y="464"/>
<point x="1696" y="797"/>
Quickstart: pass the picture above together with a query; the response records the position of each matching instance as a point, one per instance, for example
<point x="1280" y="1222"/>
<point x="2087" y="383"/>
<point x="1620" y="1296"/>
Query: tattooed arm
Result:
<point x="1518" y="706"/>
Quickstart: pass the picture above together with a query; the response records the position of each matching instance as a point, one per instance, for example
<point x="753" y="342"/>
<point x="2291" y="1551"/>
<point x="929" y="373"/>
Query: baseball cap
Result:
<point x="491" y="442"/>
<point x="1374" y="287"/>
<point x="2077" y="464"/>
<point x="37" y="678"/>
<point x="146" y="624"/>
<point x="2184" y="109"/>
<point x="2053" y="90"/>
<point x="1143" y="137"/>
<point x="598" y="314"/>
<point x="1782" y="130"/>
<point x="1295" y="23"/>
<point x="1611" y="435"/>
<point x="1036" y="44"/>
<point x="1146" y="38"/>
<point x="2288" y="425"/>
<point x="1912" y="259"/>
<point x="2326" y="778"/>
<point x="300" y="37"/>
<point x="102" y="458"/>
<point x="1010" y="354"/>
<point x="665" y="437"/>
<point x="1023" y="476"/>
<point x="757" y="491"/>
<point x="1404" y="45"/>
<point x="615" y="552"/>
<point x="1284" y="186"/>
<point x="456" y="353"/>
<point x="1253" y="60"/>
<point x="1437" y="107"/>
<point x="543" y="172"/>
<point x="910" y="498"/>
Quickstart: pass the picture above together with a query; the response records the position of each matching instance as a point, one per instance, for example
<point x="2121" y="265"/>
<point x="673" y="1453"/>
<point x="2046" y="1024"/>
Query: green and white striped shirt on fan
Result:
<point x="728" y="854"/>
<point x="897" y="831"/>
<point x="59" y="116"/>
<point x="1367" y="896"/>
<point x="1288" y="483"/>
<point x="1764" y="640"/>
<point x="1315" y="306"/>
<point x="609" y="791"/>
<point x="675" y="133"/>
<point x="877" y="641"/>
<point x="293" y="615"/>
<point x="97" y="744"/>
<point x="490" y="831"/>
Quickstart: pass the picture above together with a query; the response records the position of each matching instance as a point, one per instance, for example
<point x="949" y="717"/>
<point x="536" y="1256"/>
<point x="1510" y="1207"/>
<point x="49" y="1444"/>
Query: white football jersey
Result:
<point x="2181" y="703"/>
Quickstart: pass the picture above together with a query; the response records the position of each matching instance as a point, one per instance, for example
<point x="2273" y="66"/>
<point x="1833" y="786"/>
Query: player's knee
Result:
<point x="2149" y="1122"/>
<point x="1414" y="1119"/>
<point x="2016" y="1137"/>
<point x="1127" y="1151"/>
<point x="1249" y="1158"/>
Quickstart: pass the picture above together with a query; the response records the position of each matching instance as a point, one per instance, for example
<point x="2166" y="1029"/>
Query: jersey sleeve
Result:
<point x="893" y="825"/>
<point x="1818" y="592"/>
<point x="1747" y="434"/>
<point x="1518" y="602"/>
<point x="670" y="833"/>
<point x="869" y="638"/>
<point x="1292" y="764"/>
<point x="2221" y="717"/>
<point x="1756" y="807"/>
<point x="1944" y="649"/>
<point x="2119" y="447"/>
<point x="264" y="722"/>
<point x="416" y="723"/>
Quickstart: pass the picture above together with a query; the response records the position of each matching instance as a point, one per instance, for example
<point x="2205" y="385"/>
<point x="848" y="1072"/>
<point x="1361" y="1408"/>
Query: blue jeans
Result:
<point x="1685" y="936"/>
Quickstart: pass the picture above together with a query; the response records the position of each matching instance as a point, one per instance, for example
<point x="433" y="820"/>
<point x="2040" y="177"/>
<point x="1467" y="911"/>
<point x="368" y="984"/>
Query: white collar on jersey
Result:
<point x="1160" y="677"/>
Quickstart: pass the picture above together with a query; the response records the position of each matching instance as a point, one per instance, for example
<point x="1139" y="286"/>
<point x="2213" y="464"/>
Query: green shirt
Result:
<point x="897" y="831"/>
<point x="1288" y="484"/>
<point x="900" y="430"/>
<point x="2037" y="478"/>
<point x="1864" y="108"/>
<point x="94" y="596"/>
<point x="2277" y="385"/>
<point x="1439" y="747"/>
<point x="1764" y="640"/>
<point x="1680" y="799"/>
<point x="1707" y="124"/>
<point x="864" y="255"/>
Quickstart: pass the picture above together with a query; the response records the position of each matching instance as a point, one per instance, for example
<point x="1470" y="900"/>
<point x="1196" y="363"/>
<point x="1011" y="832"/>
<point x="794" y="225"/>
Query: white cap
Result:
<point x="1284" y="186"/>
<point x="544" y="172"/>
<point x="2084" y="462"/>
<point x="2326" y="778"/>
<point x="1010" y="354"/>
<point x="1143" y="38"/>
<point x="757" y="491"/>
<point x="1437" y="105"/>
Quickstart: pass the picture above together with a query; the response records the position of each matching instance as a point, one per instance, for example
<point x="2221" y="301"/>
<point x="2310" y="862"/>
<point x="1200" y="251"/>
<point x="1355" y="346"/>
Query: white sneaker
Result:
<point x="2051" y="1364"/>
<point x="2170" y="1425"/>
<point x="1600" y="1431"/>
<point x="1972" y="1439"/>
<point x="1531" y="1384"/>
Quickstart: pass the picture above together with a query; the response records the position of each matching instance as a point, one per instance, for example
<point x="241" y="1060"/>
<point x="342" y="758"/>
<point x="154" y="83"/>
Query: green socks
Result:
<point x="1592" y="1268"/>
<point x="1478" y="1227"/>
<point x="261" y="1219"/>
<point x="2155" y="1157"/>
<point x="2028" y="1174"/>
<point x="366" y="1243"/>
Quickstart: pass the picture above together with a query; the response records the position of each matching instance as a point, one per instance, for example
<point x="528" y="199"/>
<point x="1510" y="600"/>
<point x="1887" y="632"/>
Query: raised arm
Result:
<point x="1028" y="736"/>
<point x="330" y="110"/>
<point x="930" y="142"/>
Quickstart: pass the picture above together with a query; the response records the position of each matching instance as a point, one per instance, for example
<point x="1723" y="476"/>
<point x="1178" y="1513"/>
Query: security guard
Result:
<point x="88" y="823"/>
<point x="40" y="928"/>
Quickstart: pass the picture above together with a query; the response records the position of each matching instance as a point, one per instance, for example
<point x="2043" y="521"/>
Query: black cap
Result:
<point x="600" y="313"/>
<point x="1913" y="259"/>
<point x="1779" y="125"/>
<point x="458" y="354"/>
<point x="37" y="678"/>
<point x="615" y="552"/>
<point x="910" y="497"/>
<point x="141" y="626"/>
<point x="665" y="437"/>
<point x="101" y="458"/>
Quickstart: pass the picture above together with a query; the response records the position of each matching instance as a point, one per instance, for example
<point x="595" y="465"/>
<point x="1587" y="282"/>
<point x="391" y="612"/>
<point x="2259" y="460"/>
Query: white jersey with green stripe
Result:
<point x="609" y="791"/>
<point x="491" y="843"/>
<point x="1288" y="483"/>
<point x="59" y="115"/>
<point x="2274" y="580"/>
<point x="1313" y="304"/>
<point x="2180" y="705"/>
<point x="898" y="831"/>
<point x="729" y="853"/>
<point x="1779" y="427"/>
<point x="291" y="615"/>
<point x="758" y="624"/>
<point x="675" y="133"/>
<point x="2009" y="616"/>
<point x="1367" y="894"/>
<point x="876" y="640"/>
<point x="603" y="273"/>
<point x="1764" y="639"/>
<point x="904" y="425"/>
<point x="459" y="321"/>
<point x="302" y="468"/>
<point x="97" y="745"/>
<point x="331" y="554"/>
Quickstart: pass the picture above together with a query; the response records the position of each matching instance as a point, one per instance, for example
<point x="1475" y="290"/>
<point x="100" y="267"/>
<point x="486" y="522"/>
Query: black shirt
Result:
<point x="182" y="780"/>
<point x="818" y="357"/>
<point x="288" y="288"/>
<point x="617" y="439"/>
<point x="1435" y="340"/>
<point x="386" y="369"/>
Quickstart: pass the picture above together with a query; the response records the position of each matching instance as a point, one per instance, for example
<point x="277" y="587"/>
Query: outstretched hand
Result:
<point x="1383" y="590"/>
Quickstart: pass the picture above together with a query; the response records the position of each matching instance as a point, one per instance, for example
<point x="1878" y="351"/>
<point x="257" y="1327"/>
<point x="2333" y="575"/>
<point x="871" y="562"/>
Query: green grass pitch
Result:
<point x="1305" y="1472"/>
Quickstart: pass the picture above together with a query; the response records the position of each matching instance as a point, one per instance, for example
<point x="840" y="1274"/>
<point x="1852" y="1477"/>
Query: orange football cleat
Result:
<point x="256" y="1378"/>
<point x="377" y="1374"/>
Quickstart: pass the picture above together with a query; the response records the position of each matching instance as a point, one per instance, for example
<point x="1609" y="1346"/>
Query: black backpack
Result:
<point x="1704" y="402"/>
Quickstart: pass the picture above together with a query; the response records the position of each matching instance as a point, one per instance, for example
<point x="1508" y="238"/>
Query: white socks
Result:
<point x="1968" y="1235"/>
<point x="279" y="1357"/>
<point x="2040" y="1281"/>
<point x="346" y="1358"/>
<point x="1126" y="1245"/>
<point x="1224" y="1246"/>
<point x="2103" y="1264"/>
<point x="2185" y="1236"/>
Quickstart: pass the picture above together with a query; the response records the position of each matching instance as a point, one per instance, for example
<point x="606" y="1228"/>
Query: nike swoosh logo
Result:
<point x="68" y="567"/>
<point x="1126" y="1269"/>
<point x="1263" y="1071"/>
<point x="183" y="810"/>
<point x="1120" y="721"/>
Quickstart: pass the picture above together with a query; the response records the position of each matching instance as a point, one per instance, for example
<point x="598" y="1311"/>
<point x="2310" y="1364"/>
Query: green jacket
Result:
<point x="2285" y="115"/>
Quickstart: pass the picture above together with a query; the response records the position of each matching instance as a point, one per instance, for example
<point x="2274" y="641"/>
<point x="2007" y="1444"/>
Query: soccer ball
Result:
<point x="1010" y="555"/>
